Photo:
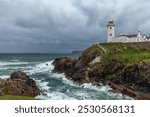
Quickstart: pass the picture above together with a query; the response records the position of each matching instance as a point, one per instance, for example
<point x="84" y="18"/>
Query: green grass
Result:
<point x="113" y="47"/>
<point x="121" y="52"/>
<point x="146" y="60"/>
<point x="89" y="54"/>
<point x="129" y="56"/>
<point x="15" y="98"/>
<point x="92" y="50"/>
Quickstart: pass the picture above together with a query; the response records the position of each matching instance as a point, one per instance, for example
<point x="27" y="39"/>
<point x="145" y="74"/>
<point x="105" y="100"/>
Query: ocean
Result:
<point x="53" y="85"/>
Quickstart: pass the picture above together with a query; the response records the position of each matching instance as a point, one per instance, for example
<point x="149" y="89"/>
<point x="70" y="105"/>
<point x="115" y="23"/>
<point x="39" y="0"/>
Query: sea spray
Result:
<point x="53" y="85"/>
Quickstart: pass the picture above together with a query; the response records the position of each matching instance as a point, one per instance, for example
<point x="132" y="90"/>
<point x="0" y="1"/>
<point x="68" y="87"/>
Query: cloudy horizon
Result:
<point x="57" y="26"/>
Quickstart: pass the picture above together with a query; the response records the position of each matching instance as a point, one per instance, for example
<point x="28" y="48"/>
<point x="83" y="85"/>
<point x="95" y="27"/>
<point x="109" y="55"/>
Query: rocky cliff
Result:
<point x="124" y="67"/>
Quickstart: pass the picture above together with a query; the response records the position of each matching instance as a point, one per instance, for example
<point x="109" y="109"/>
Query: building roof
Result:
<point x="121" y="35"/>
<point x="132" y="35"/>
<point x="129" y="36"/>
<point x="148" y="37"/>
<point x="110" y="23"/>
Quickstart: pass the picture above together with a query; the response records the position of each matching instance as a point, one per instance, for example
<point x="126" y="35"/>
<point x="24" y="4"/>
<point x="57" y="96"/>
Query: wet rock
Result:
<point x="19" y="84"/>
<point x="133" y="80"/>
<point x="97" y="59"/>
<point x="112" y="67"/>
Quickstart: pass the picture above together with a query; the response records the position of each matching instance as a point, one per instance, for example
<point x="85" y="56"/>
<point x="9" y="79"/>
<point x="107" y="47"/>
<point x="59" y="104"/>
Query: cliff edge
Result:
<point x="125" y="67"/>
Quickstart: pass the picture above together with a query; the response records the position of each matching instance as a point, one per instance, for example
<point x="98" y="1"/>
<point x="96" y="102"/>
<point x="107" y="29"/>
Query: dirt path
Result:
<point x="101" y="47"/>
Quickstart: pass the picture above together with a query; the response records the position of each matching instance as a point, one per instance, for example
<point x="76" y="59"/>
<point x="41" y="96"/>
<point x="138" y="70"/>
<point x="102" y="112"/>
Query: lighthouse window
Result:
<point x="110" y="34"/>
<point x="110" y="27"/>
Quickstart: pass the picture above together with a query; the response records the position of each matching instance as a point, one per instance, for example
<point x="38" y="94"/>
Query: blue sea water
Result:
<point x="54" y="86"/>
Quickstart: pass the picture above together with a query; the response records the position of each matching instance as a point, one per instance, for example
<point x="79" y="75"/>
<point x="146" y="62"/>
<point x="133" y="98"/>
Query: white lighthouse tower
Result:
<point x="110" y="31"/>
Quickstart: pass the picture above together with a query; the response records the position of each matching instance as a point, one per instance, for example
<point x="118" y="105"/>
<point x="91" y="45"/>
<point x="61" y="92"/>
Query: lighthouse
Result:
<point x="110" y="31"/>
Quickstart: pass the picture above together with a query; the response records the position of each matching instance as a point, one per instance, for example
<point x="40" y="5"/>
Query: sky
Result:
<point x="60" y="26"/>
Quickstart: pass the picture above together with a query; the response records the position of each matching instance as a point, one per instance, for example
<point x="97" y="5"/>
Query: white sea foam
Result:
<point x="42" y="67"/>
<point x="4" y="63"/>
<point x="15" y="60"/>
<point x="62" y="77"/>
<point x="97" y="88"/>
<point x="43" y="85"/>
<point x="85" y="85"/>
<point x="44" y="88"/>
<point x="15" y="68"/>
<point x="120" y="96"/>
<point x="85" y="95"/>
<point x="55" y="96"/>
<point x="47" y="68"/>
<point x="4" y="76"/>
<point x="106" y="89"/>
<point x="82" y="95"/>
<point x="57" y="75"/>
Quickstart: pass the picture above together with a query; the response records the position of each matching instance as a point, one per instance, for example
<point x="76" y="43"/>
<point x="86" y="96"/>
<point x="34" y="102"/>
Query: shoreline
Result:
<point x="115" y="88"/>
<point x="122" y="66"/>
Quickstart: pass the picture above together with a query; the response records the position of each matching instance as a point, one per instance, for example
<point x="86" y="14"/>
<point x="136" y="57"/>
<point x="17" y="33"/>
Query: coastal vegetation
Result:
<point x="126" y="53"/>
<point x="121" y="52"/>
<point x="15" y="98"/>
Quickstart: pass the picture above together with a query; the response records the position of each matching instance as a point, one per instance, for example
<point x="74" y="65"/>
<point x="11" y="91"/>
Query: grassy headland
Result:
<point x="126" y="53"/>
<point x="119" y="51"/>
<point x="123" y="66"/>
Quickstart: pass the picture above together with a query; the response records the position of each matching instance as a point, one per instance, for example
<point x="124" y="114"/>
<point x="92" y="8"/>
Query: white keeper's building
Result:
<point x="111" y="38"/>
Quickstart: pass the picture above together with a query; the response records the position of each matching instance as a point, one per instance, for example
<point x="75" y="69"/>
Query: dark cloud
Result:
<point x="66" y="25"/>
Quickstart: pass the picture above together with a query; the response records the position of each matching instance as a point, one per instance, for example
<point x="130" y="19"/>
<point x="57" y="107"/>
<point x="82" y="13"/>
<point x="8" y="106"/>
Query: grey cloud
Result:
<point x="66" y="25"/>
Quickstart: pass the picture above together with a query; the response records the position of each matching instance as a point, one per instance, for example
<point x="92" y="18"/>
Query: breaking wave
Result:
<point x="67" y="90"/>
<point x="4" y="76"/>
<point x="4" y="63"/>
<point x="56" y="86"/>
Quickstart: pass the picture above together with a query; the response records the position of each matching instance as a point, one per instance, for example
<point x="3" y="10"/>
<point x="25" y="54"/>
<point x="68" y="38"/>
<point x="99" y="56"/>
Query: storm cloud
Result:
<point x="66" y="25"/>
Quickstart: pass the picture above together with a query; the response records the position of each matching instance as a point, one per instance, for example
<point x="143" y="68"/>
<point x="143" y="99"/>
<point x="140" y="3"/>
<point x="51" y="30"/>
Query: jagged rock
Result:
<point x="127" y="78"/>
<point x="64" y="65"/>
<point x="19" y="84"/>
<point x="133" y="81"/>
<point x="88" y="56"/>
<point x="97" y="59"/>
<point x="112" y="67"/>
<point x="80" y="76"/>
<point x="137" y="77"/>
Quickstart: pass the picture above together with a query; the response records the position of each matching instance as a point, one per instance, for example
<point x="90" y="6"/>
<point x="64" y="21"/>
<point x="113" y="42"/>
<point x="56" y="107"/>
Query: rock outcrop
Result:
<point x="129" y="79"/>
<point x="19" y="84"/>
